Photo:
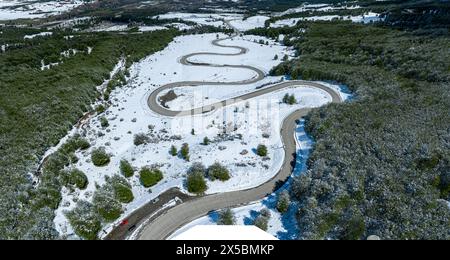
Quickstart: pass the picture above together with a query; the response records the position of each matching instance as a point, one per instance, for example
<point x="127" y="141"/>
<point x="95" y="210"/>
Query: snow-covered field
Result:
<point x="317" y="8"/>
<point x="245" y="125"/>
<point x="366" y="18"/>
<point x="281" y="226"/>
<point x="23" y="9"/>
<point x="216" y="20"/>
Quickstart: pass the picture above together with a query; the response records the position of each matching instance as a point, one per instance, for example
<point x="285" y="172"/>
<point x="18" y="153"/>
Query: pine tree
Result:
<point x="173" y="150"/>
<point x="283" y="202"/>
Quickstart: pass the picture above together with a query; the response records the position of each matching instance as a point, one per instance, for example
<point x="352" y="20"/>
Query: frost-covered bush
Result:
<point x="173" y="150"/>
<point x="107" y="207"/>
<point x="226" y="217"/>
<point x="84" y="220"/>
<point x="262" y="220"/>
<point x="78" y="179"/>
<point x="122" y="189"/>
<point x="283" y="202"/>
<point x="218" y="172"/>
<point x="150" y="176"/>
<point x="195" y="181"/>
<point x="140" y="139"/>
<point x="104" y="122"/>
<point x="99" y="157"/>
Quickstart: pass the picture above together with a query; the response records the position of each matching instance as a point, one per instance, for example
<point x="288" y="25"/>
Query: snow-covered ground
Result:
<point x="249" y="23"/>
<point x="24" y="9"/>
<point x="216" y="20"/>
<point x="42" y="34"/>
<point x="366" y="18"/>
<point x="245" y="124"/>
<point x="317" y="8"/>
<point x="282" y="226"/>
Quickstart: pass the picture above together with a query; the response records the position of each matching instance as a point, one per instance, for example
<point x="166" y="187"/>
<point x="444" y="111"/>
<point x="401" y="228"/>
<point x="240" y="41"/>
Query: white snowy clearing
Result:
<point x="249" y="23"/>
<point x="318" y="8"/>
<point x="282" y="226"/>
<point x="245" y="124"/>
<point x="216" y="20"/>
<point x="369" y="17"/>
<point x="30" y="9"/>
<point x="212" y="233"/>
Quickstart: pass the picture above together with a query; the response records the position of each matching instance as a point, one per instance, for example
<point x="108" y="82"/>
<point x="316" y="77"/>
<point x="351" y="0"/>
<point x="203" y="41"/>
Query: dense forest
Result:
<point x="39" y="104"/>
<point x="380" y="163"/>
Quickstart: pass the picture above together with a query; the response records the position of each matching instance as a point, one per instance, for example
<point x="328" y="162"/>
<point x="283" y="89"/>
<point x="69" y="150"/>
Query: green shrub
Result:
<point x="150" y="177"/>
<point x="100" y="109"/>
<point x="107" y="206"/>
<point x="218" y="172"/>
<point x="185" y="152"/>
<point x="126" y="169"/>
<point x="226" y="217"/>
<point x="261" y="150"/>
<point x="262" y="221"/>
<point x="104" y="122"/>
<point x="99" y="157"/>
<point x="84" y="220"/>
<point x="206" y="141"/>
<point x="78" y="179"/>
<point x="123" y="194"/>
<point x="140" y="139"/>
<point x="196" y="182"/>
<point x="283" y="201"/>
<point x="173" y="150"/>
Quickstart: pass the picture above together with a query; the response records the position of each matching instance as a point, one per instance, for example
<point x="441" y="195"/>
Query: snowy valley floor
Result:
<point x="235" y="131"/>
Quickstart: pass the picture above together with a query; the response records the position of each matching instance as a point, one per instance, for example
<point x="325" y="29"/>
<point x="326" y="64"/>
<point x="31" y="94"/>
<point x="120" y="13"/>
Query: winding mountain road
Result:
<point x="165" y="224"/>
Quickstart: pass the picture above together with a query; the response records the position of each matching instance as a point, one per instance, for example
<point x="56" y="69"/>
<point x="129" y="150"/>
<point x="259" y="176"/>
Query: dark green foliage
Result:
<point x="380" y="156"/>
<point x="121" y="188"/>
<point x="84" y="220"/>
<point x="261" y="150"/>
<point x="206" y="141"/>
<point x="107" y="207"/>
<point x="196" y="182"/>
<point x="226" y="217"/>
<point x="38" y="108"/>
<point x="150" y="177"/>
<point x="104" y="122"/>
<point x="184" y="152"/>
<point x="78" y="179"/>
<point x="173" y="150"/>
<point x="99" y="157"/>
<point x="218" y="172"/>
<point x="126" y="169"/>
<point x="289" y="99"/>
<point x="283" y="202"/>
<point x="140" y="139"/>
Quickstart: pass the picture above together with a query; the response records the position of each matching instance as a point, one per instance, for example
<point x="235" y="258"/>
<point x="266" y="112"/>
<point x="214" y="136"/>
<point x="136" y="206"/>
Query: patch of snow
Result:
<point x="216" y="20"/>
<point x="249" y="23"/>
<point x="369" y="17"/>
<point x="31" y="9"/>
<point x="244" y="125"/>
<point x="42" y="34"/>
